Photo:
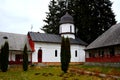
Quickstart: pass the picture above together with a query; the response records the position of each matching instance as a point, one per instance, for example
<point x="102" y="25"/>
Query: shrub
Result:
<point x="65" y="54"/>
<point x="25" y="59"/>
<point x="4" y="57"/>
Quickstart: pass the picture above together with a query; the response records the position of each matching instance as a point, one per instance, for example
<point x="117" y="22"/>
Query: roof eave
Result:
<point x="101" y="47"/>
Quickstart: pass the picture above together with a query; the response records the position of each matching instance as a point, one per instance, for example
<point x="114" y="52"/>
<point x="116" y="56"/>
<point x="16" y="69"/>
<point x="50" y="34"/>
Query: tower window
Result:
<point x="70" y="28"/>
<point x="75" y="53"/>
<point x="55" y="53"/>
<point x="60" y="29"/>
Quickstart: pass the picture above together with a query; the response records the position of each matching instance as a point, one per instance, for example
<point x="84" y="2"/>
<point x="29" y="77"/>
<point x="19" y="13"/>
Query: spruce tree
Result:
<point x="4" y="57"/>
<point x="51" y="19"/>
<point x="91" y="17"/>
<point x="25" y="58"/>
<point x="65" y="54"/>
<point x="56" y="10"/>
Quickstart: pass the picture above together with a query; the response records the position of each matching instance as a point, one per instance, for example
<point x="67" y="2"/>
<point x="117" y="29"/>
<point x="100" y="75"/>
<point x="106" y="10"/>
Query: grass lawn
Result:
<point x="45" y="73"/>
<point x="98" y="69"/>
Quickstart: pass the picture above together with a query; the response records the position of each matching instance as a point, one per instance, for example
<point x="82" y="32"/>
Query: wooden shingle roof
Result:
<point x="109" y="38"/>
<point x="52" y="38"/>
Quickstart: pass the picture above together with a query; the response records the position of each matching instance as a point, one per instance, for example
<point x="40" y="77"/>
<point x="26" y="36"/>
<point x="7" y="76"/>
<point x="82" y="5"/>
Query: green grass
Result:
<point x="45" y="73"/>
<point x="99" y="69"/>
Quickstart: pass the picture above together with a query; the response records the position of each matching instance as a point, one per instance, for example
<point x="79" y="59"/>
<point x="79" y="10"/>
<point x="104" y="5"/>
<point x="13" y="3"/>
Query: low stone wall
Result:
<point x="105" y="64"/>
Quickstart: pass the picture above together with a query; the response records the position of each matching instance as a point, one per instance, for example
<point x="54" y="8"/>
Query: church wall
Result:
<point x="48" y="52"/>
<point x="68" y="35"/>
<point x="77" y="53"/>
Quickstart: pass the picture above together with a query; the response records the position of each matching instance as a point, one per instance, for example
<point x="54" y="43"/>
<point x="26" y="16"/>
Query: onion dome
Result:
<point x="67" y="18"/>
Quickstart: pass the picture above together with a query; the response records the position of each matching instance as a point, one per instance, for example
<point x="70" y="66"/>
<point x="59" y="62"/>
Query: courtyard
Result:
<point x="55" y="73"/>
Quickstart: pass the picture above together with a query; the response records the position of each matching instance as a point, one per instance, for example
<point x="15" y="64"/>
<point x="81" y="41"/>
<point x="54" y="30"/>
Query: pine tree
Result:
<point x="95" y="18"/>
<point x="65" y="54"/>
<point x="91" y="17"/>
<point x="25" y="59"/>
<point x="4" y="57"/>
<point x="56" y="10"/>
<point x="51" y="19"/>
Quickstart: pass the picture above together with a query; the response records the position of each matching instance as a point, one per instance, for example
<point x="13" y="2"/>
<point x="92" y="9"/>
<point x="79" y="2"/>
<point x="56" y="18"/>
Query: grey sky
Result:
<point x="17" y="16"/>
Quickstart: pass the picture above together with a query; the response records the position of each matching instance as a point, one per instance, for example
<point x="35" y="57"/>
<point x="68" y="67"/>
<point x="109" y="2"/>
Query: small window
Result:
<point x="55" y="53"/>
<point x="101" y="53"/>
<point x="112" y="51"/>
<point x="76" y="53"/>
<point x="5" y="37"/>
<point x="70" y="28"/>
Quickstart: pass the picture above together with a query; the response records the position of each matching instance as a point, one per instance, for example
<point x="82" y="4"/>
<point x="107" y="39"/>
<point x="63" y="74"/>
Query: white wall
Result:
<point x="48" y="52"/>
<point x="67" y="29"/>
<point x="68" y="35"/>
<point x="13" y="53"/>
<point x="80" y="53"/>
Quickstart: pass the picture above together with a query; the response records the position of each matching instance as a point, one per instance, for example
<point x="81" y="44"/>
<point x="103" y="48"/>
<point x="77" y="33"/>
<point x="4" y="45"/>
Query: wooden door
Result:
<point x="40" y="55"/>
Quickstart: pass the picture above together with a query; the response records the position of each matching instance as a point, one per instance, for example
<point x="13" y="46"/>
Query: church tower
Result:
<point x="67" y="28"/>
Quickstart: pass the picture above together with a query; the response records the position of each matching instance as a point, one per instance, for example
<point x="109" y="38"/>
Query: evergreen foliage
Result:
<point x="91" y="17"/>
<point x="56" y="10"/>
<point x="25" y="58"/>
<point x="65" y="54"/>
<point x="4" y="57"/>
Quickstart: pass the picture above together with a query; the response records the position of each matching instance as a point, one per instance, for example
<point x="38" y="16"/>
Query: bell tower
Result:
<point x="67" y="28"/>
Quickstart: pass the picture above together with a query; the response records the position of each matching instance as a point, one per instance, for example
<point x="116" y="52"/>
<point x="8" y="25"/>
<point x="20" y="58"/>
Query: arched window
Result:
<point x="55" y="53"/>
<point x="75" y="53"/>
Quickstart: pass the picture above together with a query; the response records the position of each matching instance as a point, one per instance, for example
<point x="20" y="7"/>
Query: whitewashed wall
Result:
<point x="80" y="53"/>
<point x="68" y="35"/>
<point x="13" y="53"/>
<point x="67" y="28"/>
<point x="48" y="52"/>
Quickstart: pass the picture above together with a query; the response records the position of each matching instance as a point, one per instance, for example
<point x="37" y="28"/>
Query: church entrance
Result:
<point x="39" y="55"/>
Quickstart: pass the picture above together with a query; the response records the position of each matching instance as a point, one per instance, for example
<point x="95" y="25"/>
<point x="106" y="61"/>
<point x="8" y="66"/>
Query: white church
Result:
<point x="46" y="47"/>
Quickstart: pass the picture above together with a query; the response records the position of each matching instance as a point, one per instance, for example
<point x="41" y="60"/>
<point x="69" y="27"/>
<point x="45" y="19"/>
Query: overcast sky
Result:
<point x="17" y="16"/>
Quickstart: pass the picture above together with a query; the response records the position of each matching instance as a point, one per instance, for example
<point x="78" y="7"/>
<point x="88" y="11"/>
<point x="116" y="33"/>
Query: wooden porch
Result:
<point x="103" y="59"/>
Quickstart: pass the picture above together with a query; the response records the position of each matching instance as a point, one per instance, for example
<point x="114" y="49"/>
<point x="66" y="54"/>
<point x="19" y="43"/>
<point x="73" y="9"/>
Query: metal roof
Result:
<point x="67" y="18"/>
<point x="109" y="38"/>
<point x="52" y="38"/>
<point x="16" y="41"/>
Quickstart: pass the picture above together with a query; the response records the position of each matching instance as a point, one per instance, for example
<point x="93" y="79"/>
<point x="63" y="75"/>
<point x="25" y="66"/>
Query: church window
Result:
<point x="75" y="53"/>
<point x="55" y="53"/>
<point x="5" y="37"/>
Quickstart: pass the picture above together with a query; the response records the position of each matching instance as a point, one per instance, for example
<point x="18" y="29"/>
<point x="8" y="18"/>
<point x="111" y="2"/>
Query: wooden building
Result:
<point x="106" y="48"/>
<point x="16" y="46"/>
